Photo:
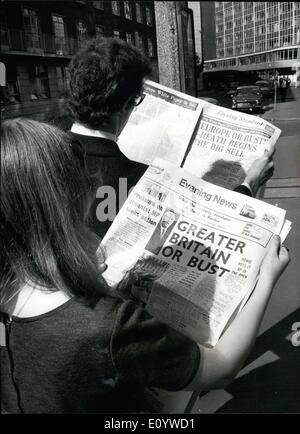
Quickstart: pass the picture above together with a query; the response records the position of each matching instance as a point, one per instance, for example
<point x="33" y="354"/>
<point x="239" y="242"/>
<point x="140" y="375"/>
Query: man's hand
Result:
<point x="260" y="171"/>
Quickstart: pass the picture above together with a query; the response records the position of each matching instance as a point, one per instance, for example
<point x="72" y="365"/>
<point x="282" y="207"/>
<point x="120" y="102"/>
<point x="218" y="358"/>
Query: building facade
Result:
<point x="254" y="39"/>
<point x="38" y="39"/>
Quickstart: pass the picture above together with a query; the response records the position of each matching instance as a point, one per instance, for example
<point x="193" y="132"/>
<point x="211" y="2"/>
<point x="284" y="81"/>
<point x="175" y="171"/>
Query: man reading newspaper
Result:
<point x="103" y="97"/>
<point x="213" y="142"/>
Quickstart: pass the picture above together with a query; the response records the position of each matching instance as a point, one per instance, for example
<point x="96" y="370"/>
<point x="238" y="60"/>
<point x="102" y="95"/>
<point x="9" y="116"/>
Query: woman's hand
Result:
<point x="275" y="261"/>
<point x="102" y="267"/>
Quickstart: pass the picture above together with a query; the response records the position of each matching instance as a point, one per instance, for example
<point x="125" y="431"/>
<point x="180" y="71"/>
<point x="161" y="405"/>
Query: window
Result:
<point x="117" y="34"/>
<point x="31" y="21"/>
<point x="100" y="30"/>
<point x="127" y="10"/>
<point x="138" y="40"/>
<point x="39" y="82"/>
<point x="10" y="93"/>
<point x="115" y="7"/>
<point x="81" y="30"/>
<point x="150" y="47"/>
<point x="148" y="17"/>
<point x="31" y="29"/>
<point x="4" y="31"/>
<point x="61" y="80"/>
<point x="58" y="26"/>
<point x="59" y="34"/>
<point x="229" y="25"/>
<point x="13" y="91"/>
<point x="62" y="74"/>
<point x="98" y="5"/>
<point x="138" y="12"/>
<point x="130" y="38"/>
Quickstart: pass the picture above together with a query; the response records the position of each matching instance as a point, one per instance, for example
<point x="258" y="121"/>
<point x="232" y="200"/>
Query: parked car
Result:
<point x="266" y="87"/>
<point x="232" y="88"/>
<point x="248" y="98"/>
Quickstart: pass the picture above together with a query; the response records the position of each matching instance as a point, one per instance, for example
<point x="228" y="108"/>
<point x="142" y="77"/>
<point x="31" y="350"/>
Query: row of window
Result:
<point x="127" y="6"/>
<point x="38" y="74"/>
<point x="33" y="40"/>
<point x="38" y="83"/>
<point x="263" y="11"/>
<point x="137" y="39"/>
<point x="275" y="56"/>
<point x="128" y="11"/>
<point x="32" y="24"/>
<point x="243" y="44"/>
<point x="261" y="32"/>
<point x="32" y="28"/>
<point x="275" y="25"/>
<point x="238" y="23"/>
<point x="282" y="7"/>
<point x="259" y="28"/>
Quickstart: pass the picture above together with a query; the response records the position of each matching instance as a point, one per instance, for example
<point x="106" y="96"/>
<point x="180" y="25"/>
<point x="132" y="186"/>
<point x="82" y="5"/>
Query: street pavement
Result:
<point x="270" y="379"/>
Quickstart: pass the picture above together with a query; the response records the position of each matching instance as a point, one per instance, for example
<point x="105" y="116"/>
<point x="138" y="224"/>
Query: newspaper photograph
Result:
<point x="161" y="126"/>
<point x="226" y="144"/>
<point x="210" y="141"/>
<point x="195" y="248"/>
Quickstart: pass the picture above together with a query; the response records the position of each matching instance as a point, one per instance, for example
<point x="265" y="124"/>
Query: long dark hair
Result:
<point x="44" y="195"/>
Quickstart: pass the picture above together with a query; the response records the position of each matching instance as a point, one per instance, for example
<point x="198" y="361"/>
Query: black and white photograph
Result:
<point x="127" y="126"/>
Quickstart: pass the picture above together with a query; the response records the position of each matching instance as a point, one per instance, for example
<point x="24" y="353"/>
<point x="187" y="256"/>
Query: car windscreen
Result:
<point x="249" y="91"/>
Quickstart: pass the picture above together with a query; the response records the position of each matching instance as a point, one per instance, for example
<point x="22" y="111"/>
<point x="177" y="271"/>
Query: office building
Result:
<point x="251" y="39"/>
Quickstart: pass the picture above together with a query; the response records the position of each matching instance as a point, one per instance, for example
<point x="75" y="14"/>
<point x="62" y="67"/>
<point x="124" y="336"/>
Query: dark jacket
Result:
<point x="114" y="169"/>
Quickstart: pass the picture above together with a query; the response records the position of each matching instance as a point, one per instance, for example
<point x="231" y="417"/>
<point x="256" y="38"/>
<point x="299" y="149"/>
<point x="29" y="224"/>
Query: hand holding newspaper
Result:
<point x="213" y="142"/>
<point x="201" y="244"/>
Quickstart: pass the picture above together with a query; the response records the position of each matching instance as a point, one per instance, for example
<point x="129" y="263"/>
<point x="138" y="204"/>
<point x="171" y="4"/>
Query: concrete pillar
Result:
<point x="167" y="44"/>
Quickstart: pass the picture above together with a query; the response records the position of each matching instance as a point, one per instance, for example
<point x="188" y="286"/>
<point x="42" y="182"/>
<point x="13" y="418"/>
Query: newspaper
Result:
<point x="161" y="126"/>
<point x="200" y="244"/>
<point x="226" y="144"/>
<point x="213" y="142"/>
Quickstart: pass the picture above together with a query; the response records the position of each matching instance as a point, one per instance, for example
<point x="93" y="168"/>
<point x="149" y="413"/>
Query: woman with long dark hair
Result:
<point x="70" y="346"/>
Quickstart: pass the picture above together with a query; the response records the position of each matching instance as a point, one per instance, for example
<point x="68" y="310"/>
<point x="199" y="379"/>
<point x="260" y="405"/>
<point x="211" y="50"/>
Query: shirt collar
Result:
<point x="81" y="129"/>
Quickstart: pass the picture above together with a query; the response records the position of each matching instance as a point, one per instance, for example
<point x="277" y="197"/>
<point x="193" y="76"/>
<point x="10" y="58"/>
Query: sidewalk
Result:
<point x="285" y="111"/>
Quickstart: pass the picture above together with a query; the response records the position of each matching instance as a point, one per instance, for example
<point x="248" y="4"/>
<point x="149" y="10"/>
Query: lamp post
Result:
<point x="275" y="89"/>
<point x="275" y="75"/>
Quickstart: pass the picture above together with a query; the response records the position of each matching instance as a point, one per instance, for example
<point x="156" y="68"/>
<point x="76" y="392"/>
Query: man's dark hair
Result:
<point x="104" y="74"/>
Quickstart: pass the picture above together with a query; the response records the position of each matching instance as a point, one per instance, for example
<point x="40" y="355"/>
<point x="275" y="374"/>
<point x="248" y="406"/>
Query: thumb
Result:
<point x="102" y="267"/>
<point x="275" y="245"/>
<point x="269" y="153"/>
<point x="284" y="254"/>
